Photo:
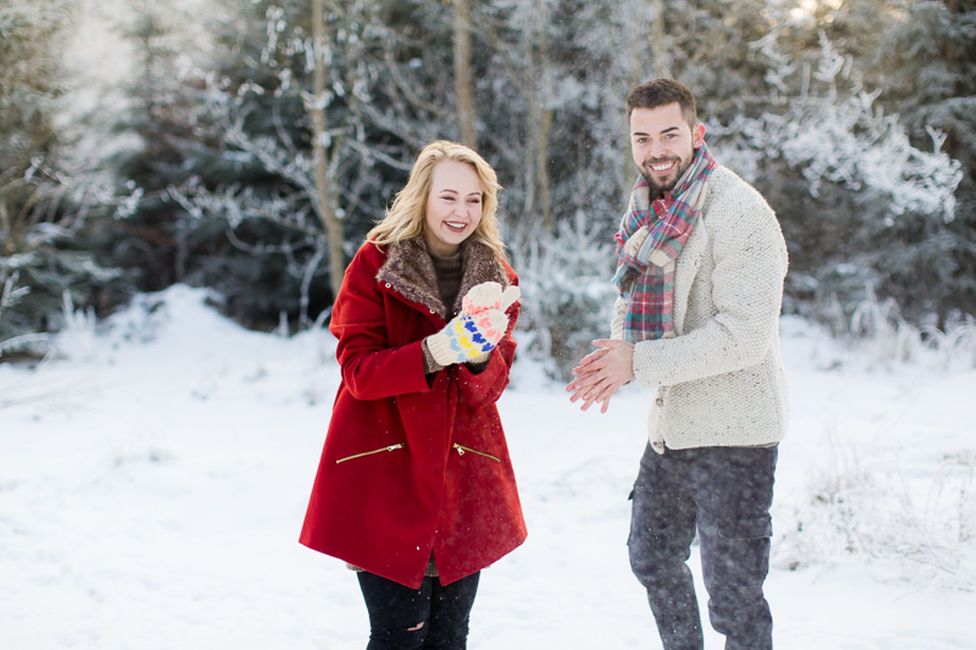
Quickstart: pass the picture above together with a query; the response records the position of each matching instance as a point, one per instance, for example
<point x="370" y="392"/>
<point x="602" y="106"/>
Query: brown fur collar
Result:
<point x="409" y="269"/>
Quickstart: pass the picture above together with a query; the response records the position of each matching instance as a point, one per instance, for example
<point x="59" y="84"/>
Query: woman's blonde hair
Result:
<point x="405" y="217"/>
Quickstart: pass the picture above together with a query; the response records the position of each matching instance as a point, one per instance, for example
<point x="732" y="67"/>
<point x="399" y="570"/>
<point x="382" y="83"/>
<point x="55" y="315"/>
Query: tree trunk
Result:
<point x="463" y="83"/>
<point x="9" y="245"/>
<point x="660" y="68"/>
<point x="659" y="41"/>
<point x="323" y="201"/>
<point x="636" y="39"/>
<point x="949" y="146"/>
<point x="544" y="106"/>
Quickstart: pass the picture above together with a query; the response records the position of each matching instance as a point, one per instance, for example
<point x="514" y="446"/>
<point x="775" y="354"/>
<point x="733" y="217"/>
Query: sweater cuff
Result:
<point x="430" y="366"/>
<point x="478" y="364"/>
<point x="643" y="369"/>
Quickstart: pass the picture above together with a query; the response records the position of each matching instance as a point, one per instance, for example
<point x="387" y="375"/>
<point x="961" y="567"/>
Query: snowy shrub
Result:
<point x="566" y="292"/>
<point x="77" y="339"/>
<point x="922" y="522"/>
<point x="883" y="333"/>
<point x="957" y="344"/>
<point x="33" y="285"/>
<point x="882" y="336"/>
<point x="10" y="294"/>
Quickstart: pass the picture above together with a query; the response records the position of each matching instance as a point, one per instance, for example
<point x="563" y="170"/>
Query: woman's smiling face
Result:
<point x="454" y="205"/>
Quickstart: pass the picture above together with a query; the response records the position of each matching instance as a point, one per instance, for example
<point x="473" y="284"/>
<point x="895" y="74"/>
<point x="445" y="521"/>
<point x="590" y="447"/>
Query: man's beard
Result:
<point x="659" y="187"/>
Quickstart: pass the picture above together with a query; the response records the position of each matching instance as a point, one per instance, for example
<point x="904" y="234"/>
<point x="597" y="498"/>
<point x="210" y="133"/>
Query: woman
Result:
<point x="415" y="487"/>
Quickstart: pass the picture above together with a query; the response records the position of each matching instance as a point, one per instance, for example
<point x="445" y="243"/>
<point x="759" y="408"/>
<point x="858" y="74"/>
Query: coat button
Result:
<point x="388" y="285"/>
<point x="431" y="311"/>
<point x="659" y="401"/>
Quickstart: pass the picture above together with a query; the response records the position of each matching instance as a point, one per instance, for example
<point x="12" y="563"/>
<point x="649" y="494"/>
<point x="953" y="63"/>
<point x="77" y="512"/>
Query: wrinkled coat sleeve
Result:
<point x="486" y="386"/>
<point x="747" y="288"/>
<point x="370" y="369"/>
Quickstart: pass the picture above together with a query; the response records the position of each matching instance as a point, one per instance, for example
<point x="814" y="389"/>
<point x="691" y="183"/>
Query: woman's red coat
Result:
<point x="388" y="511"/>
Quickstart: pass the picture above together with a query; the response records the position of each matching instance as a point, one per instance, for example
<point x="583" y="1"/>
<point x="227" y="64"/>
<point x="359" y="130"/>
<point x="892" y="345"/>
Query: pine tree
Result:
<point x="864" y="209"/>
<point x="45" y="212"/>
<point x="254" y="149"/>
<point x="927" y="66"/>
<point x="302" y="138"/>
<point x="29" y="90"/>
<point x="154" y="236"/>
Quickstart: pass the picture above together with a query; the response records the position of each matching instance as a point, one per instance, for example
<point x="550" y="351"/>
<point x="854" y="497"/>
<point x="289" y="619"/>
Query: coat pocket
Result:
<point x="372" y="452"/>
<point x="461" y="450"/>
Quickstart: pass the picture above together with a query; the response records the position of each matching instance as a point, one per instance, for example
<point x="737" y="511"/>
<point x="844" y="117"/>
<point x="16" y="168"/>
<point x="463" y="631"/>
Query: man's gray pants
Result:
<point x="725" y="494"/>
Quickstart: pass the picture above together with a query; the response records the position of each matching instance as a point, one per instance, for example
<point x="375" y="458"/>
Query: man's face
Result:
<point x="663" y="144"/>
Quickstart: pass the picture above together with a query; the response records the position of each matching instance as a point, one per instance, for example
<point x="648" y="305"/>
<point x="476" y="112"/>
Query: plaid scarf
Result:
<point x="650" y="239"/>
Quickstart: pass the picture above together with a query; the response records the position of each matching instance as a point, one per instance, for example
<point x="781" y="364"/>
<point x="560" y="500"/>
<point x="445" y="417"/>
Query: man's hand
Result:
<point x="601" y="373"/>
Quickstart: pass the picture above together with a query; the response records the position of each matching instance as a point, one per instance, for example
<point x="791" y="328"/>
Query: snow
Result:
<point x="153" y="480"/>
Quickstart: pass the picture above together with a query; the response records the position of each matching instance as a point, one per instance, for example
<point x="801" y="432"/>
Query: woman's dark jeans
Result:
<point x="433" y="617"/>
<point x="725" y="493"/>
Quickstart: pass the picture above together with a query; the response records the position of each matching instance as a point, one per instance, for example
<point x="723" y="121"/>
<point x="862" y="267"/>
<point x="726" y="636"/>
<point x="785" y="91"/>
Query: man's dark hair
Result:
<point x="661" y="92"/>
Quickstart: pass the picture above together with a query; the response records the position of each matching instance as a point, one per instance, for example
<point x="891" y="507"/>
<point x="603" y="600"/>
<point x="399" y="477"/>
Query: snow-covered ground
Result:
<point x="153" y="481"/>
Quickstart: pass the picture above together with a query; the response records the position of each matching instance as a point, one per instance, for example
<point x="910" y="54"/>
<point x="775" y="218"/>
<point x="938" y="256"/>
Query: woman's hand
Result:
<point x="468" y="337"/>
<point x="489" y="295"/>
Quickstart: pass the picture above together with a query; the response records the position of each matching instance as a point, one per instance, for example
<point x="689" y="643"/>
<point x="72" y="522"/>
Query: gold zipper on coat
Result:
<point x="381" y="450"/>
<point x="461" y="449"/>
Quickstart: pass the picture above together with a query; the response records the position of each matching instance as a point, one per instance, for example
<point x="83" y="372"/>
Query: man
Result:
<point x="701" y="263"/>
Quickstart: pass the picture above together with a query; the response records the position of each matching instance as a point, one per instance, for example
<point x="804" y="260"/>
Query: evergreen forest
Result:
<point x="247" y="146"/>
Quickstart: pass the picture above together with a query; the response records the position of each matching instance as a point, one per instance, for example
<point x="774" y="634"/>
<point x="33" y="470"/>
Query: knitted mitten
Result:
<point x="468" y="337"/>
<point x="489" y="295"/>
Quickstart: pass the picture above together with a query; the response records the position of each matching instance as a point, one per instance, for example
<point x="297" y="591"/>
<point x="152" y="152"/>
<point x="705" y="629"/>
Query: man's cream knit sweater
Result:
<point x="719" y="381"/>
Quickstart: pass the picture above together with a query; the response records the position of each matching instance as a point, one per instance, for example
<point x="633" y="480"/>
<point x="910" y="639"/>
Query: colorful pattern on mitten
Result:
<point x="467" y="337"/>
